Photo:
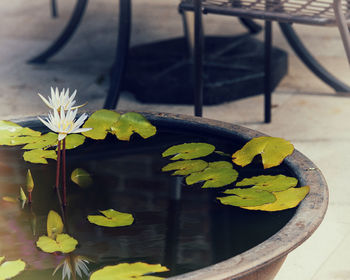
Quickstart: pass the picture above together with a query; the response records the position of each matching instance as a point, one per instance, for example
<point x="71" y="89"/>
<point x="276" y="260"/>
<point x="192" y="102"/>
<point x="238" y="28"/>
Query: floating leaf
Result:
<point x="111" y="218"/>
<point x="41" y="142"/>
<point x="39" y="155"/>
<point x="29" y="181"/>
<point x="269" y="183"/>
<point x="81" y="177"/>
<point x="247" y="197"/>
<point x="100" y="122"/>
<point x="189" y="151"/>
<point x="10" y="199"/>
<point x="132" y="122"/>
<point x="13" y="134"/>
<point x="272" y="149"/>
<point x="74" y="140"/>
<point x="10" y="269"/>
<point x="186" y="167"/>
<point x="54" y="224"/>
<point x="128" y="271"/>
<point x="217" y="174"/>
<point x="284" y="200"/>
<point x="63" y="243"/>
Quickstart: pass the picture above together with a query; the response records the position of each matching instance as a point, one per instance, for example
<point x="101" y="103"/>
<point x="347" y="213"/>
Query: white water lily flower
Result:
<point x="60" y="100"/>
<point x="65" y="123"/>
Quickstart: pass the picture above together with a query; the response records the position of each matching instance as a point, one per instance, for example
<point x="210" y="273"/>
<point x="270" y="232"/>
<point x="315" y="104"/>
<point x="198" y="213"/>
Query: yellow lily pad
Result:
<point x="10" y="199"/>
<point x="130" y="123"/>
<point x="247" y="197"/>
<point x="100" y="122"/>
<point x="284" y="200"/>
<point x="189" y="151"/>
<point x="10" y="269"/>
<point x="111" y="218"/>
<point x="185" y="167"/>
<point x="63" y="243"/>
<point x="273" y="150"/>
<point x="39" y="155"/>
<point x="81" y="177"/>
<point x="54" y="224"/>
<point x="128" y="271"/>
<point x="74" y="140"/>
<point x="217" y="174"/>
<point x="269" y="182"/>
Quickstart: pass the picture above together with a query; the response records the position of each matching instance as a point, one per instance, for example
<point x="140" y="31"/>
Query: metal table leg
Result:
<point x="118" y="68"/>
<point x="65" y="35"/>
<point x="306" y="57"/>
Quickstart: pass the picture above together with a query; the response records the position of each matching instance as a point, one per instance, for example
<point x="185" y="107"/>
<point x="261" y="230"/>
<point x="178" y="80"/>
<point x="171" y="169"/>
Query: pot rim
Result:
<point x="307" y="218"/>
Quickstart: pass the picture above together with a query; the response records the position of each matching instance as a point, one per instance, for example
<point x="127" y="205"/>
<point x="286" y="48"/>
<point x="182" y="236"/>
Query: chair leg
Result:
<point x="54" y="13"/>
<point x="342" y="26"/>
<point x="267" y="71"/>
<point x="198" y="59"/>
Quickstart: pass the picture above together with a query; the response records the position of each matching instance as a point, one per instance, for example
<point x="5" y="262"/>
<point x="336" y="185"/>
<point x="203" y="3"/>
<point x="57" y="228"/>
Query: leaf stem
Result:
<point x="58" y="164"/>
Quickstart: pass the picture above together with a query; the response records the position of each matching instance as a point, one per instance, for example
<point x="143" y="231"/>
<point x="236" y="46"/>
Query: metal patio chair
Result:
<point x="312" y="12"/>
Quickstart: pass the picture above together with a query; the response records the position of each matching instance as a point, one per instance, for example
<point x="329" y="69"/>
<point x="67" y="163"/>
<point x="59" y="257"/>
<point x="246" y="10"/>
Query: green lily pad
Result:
<point x="74" y="140"/>
<point x="41" y="142"/>
<point x="247" y="197"/>
<point x="39" y="155"/>
<point x="128" y="271"/>
<point x="189" y="151"/>
<point x="284" y="200"/>
<point x="54" y="224"/>
<point x="63" y="243"/>
<point x="273" y="150"/>
<point x="269" y="183"/>
<point x="100" y="122"/>
<point x="29" y="181"/>
<point x="217" y="174"/>
<point x="186" y="167"/>
<point x="11" y="269"/>
<point x="81" y="177"/>
<point x="12" y="134"/>
<point x="130" y="123"/>
<point x="111" y="218"/>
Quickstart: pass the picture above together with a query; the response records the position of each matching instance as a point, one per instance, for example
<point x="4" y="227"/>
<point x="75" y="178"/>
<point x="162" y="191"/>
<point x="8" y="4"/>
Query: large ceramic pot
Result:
<point x="263" y="261"/>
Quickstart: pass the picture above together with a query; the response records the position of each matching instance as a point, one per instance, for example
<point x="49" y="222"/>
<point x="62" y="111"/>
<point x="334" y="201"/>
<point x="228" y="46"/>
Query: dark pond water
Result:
<point x="179" y="226"/>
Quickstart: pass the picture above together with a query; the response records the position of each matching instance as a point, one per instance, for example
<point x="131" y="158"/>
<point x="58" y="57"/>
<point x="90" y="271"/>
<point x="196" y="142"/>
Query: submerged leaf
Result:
<point x="39" y="155"/>
<point x="272" y="149"/>
<point x="100" y="122"/>
<point x="269" y="183"/>
<point x="54" y="224"/>
<point x="189" y="151"/>
<point x="217" y="174"/>
<point x="284" y="200"/>
<point x="10" y="199"/>
<point x="81" y="177"/>
<point x="247" y="197"/>
<point x="185" y="167"/>
<point x="111" y="218"/>
<point x="41" y="141"/>
<point x="29" y="181"/>
<point x="128" y="271"/>
<point x="10" y="269"/>
<point x="63" y="243"/>
<point x="132" y="122"/>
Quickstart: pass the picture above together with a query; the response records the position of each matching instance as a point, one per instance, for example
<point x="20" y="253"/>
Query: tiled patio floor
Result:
<point x="306" y="111"/>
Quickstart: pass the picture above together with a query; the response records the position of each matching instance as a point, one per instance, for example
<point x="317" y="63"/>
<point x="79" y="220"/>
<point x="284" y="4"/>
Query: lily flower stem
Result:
<point x="58" y="164"/>
<point x="29" y="197"/>
<point x="64" y="172"/>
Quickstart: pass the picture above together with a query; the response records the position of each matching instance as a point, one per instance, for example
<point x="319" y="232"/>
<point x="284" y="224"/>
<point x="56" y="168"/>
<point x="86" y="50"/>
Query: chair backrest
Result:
<point x="317" y="12"/>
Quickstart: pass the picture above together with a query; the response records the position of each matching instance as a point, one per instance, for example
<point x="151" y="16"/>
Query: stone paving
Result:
<point x="306" y="111"/>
